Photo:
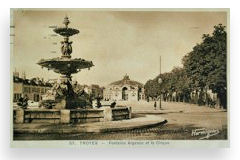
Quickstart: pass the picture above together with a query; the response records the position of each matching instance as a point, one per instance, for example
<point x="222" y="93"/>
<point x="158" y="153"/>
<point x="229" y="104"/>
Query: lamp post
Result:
<point x="160" y="101"/>
<point x="160" y="82"/>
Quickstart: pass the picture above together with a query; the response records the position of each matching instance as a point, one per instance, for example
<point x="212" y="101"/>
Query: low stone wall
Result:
<point x="70" y="116"/>
<point x="121" y="113"/>
<point x="83" y="116"/>
<point x="37" y="116"/>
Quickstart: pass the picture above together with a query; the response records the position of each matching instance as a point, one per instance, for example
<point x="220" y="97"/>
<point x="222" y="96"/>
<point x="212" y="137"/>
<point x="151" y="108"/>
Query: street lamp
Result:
<point x="160" y="101"/>
<point x="160" y="82"/>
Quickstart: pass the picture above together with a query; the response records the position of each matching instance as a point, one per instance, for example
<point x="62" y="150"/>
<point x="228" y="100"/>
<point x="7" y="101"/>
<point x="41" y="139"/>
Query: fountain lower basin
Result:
<point x="66" y="116"/>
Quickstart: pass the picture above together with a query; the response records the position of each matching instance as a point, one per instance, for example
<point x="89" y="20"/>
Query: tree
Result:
<point x="204" y="68"/>
<point x="151" y="89"/>
<point x="206" y="64"/>
<point x="175" y="81"/>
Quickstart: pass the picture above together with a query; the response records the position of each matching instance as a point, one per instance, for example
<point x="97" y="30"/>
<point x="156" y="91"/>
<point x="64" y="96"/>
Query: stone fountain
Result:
<point x="65" y="94"/>
<point x="71" y="103"/>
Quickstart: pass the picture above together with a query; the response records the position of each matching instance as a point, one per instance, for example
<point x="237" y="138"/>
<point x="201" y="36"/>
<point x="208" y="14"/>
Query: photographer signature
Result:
<point x="206" y="132"/>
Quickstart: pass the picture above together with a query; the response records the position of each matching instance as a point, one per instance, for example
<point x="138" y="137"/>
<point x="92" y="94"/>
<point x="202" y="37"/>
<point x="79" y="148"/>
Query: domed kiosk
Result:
<point x="124" y="90"/>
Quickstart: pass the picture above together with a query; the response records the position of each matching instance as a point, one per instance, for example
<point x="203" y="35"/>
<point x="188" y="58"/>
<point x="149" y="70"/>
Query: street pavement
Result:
<point x="146" y="124"/>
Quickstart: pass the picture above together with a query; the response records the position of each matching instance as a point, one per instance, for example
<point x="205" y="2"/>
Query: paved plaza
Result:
<point x="183" y="114"/>
<point x="146" y="124"/>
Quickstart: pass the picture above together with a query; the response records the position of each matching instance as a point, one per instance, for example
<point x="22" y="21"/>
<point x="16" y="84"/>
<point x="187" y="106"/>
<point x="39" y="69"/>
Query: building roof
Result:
<point x="126" y="80"/>
<point x="32" y="82"/>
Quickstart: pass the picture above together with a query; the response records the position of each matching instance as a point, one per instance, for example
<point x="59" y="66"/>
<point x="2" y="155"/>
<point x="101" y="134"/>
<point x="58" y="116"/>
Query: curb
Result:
<point x="84" y="130"/>
<point x="157" y="112"/>
<point x="133" y="127"/>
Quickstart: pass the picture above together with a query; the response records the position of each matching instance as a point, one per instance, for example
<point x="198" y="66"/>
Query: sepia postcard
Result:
<point x="119" y="77"/>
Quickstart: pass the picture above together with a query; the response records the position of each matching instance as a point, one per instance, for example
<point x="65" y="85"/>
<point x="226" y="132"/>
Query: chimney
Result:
<point x="24" y="75"/>
<point x="16" y="74"/>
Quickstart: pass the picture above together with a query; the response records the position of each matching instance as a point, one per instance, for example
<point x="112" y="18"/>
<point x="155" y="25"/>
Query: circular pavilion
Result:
<point x="124" y="90"/>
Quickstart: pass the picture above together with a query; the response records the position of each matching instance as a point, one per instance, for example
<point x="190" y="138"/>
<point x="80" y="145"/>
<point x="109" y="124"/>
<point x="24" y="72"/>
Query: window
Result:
<point x="26" y="90"/>
<point x="36" y="97"/>
<point x="124" y="94"/>
<point x="42" y="90"/>
<point x="16" y="97"/>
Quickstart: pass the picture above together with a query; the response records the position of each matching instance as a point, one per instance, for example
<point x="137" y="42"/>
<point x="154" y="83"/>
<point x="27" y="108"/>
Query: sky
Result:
<point x="118" y="42"/>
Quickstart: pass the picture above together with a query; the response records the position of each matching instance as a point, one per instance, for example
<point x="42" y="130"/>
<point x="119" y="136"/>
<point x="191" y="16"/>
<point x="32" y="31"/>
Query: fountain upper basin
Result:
<point x="64" y="65"/>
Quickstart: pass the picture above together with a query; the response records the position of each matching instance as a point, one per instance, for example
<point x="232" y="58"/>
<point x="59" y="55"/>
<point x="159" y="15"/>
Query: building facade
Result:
<point x="32" y="88"/>
<point x="124" y="90"/>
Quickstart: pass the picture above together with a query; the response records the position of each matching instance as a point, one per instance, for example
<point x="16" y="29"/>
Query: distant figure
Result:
<point x="113" y="104"/>
<point x="155" y="105"/>
<point x="91" y="99"/>
<point x="99" y="105"/>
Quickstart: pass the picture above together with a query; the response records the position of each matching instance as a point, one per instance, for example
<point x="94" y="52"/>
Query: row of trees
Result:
<point x="202" y="79"/>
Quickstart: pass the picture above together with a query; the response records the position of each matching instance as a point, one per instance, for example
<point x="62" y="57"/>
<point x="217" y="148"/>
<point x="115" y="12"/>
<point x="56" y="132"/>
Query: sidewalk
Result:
<point x="144" y="107"/>
<point x="110" y="126"/>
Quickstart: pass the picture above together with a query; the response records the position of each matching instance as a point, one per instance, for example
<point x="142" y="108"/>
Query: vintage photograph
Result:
<point x="133" y="75"/>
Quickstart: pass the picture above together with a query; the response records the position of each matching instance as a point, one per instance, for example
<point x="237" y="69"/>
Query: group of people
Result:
<point x="23" y="102"/>
<point x="99" y="105"/>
